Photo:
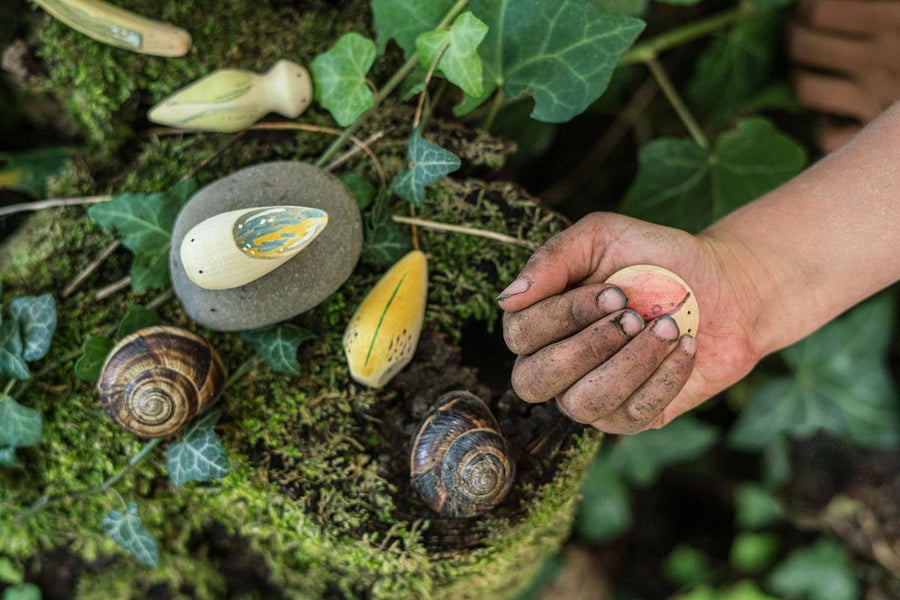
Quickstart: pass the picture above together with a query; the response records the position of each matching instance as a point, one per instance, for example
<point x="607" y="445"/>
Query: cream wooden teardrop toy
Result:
<point x="231" y="99"/>
<point x="234" y="248"/>
<point x="118" y="27"/>
<point x="381" y="337"/>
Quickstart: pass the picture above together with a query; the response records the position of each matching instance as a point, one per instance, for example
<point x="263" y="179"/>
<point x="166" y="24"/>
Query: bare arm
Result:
<point x="765" y="276"/>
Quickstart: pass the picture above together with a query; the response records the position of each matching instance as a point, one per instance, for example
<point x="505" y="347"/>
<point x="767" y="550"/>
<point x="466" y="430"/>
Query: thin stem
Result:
<point x="428" y="77"/>
<point x="9" y="387"/>
<point x="651" y="48"/>
<point x="95" y="264"/>
<point x="52" y="203"/>
<point x="496" y="103"/>
<point x="408" y="67"/>
<point x="113" y="288"/>
<point x="364" y="147"/>
<point x="244" y="368"/>
<point x="668" y="88"/>
<point x="491" y="235"/>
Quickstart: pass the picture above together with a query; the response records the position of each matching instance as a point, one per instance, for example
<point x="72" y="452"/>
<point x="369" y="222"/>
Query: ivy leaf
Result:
<point x="460" y="62"/>
<point x="144" y="223"/>
<point x="755" y="507"/>
<point x="8" y="572"/>
<point x="8" y="458"/>
<point x="604" y="510"/>
<point x="385" y="243"/>
<point x="561" y="53"/>
<point x="22" y="591"/>
<point x="429" y="163"/>
<point x="639" y="458"/>
<point x="36" y="316"/>
<point x="818" y="572"/>
<point x="135" y="319"/>
<point x="632" y="8"/>
<point x="680" y="2"/>
<point x="11" y="362"/>
<point x="127" y="530"/>
<point x="94" y="352"/>
<point x="753" y="552"/>
<point x="735" y="66"/>
<point x="20" y="426"/>
<point x="277" y="345"/>
<point x="199" y="455"/>
<point x="29" y="171"/>
<point x="404" y="20"/>
<point x="361" y="188"/>
<point x="680" y="184"/>
<point x="340" y="76"/>
<point x="687" y="566"/>
<point x="841" y="383"/>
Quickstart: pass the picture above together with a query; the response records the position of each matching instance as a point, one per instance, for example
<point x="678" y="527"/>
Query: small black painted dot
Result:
<point x="212" y="310"/>
<point x="192" y="240"/>
<point x="689" y="312"/>
<point x="690" y="330"/>
<point x="201" y="272"/>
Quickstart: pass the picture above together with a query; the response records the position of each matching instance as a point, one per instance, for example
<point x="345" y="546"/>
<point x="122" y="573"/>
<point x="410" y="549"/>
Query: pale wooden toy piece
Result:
<point x="234" y="248"/>
<point x="654" y="291"/>
<point x="381" y="337"/>
<point x="118" y="27"/>
<point x="229" y="100"/>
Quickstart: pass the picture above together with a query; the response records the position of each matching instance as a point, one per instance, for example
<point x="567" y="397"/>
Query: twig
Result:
<point x="95" y="264"/>
<point x="51" y="203"/>
<point x="218" y="151"/>
<point x="607" y="144"/>
<point x="113" y="288"/>
<point x="492" y="235"/>
<point x="415" y="229"/>
<point x="424" y="91"/>
<point x="365" y="146"/>
<point x="668" y="88"/>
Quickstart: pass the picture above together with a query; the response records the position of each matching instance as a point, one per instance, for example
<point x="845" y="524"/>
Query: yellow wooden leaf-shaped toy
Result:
<point x="236" y="247"/>
<point x="232" y="99"/>
<point x="381" y="337"/>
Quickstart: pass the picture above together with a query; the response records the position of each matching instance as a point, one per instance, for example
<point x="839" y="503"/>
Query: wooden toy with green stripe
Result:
<point x="381" y="337"/>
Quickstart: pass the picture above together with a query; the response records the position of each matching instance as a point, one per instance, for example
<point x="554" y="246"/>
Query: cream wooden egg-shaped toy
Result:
<point x="654" y="291"/>
<point x="231" y="99"/>
<point x="381" y="337"/>
<point x="234" y="248"/>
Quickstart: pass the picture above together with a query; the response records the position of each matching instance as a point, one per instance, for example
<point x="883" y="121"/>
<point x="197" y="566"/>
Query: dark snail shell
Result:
<point x="156" y="380"/>
<point x="460" y="462"/>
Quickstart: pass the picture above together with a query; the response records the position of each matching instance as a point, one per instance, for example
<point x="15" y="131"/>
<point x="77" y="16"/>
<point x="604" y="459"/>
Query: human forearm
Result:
<point x="822" y="242"/>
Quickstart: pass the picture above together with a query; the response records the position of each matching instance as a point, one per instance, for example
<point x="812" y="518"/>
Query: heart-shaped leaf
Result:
<point x="199" y="456"/>
<point x="127" y="530"/>
<point x="404" y="20"/>
<point x="459" y="62"/>
<point x="822" y="571"/>
<point x="340" y="76"/>
<point x="36" y="316"/>
<point x="20" y="426"/>
<point x="429" y="163"/>
<point x="385" y="243"/>
<point x="135" y="319"/>
<point x="94" y="352"/>
<point x="11" y="362"/>
<point x="277" y="345"/>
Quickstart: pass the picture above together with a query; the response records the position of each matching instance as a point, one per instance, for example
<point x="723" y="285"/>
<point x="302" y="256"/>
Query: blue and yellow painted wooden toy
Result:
<point x="234" y="248"/>
<point x="381" y="337"/>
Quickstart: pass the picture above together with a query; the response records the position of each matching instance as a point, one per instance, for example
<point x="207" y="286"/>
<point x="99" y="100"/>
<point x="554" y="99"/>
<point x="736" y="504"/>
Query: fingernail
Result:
<point x="611" y="299"/>
<point x="631" y="322"/>
<point x="665" y="328"/>
<point x="516" y="287"/>
<point x="689" y="345"/>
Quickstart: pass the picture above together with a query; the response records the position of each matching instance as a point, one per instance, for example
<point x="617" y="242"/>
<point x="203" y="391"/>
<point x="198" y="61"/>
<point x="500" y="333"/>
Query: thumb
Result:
<point x="569" y="257"/>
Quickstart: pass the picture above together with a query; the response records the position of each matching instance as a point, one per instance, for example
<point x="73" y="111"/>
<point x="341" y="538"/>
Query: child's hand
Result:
<point x="604" y="366"/>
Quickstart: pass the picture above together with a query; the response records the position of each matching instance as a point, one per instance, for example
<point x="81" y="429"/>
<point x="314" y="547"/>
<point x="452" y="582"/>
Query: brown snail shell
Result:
<point x="460" y="462"/>
<point x="156" y="380"/>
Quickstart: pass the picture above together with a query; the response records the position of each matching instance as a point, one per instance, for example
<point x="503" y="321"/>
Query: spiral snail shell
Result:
<point x="460" y="462"/>
<point x="156" y="380"/>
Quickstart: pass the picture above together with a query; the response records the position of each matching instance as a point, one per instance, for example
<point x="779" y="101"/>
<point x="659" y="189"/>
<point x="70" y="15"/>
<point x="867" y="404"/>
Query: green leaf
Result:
<point x="361" y="188"/>
<point x="428" y="164"/>
<point x="753" y="552"/>
<point x="560" y="53"/>
<point x="9" y="573"/>
<point x="20" y="426"/>
<point x="460" y="62"/>
<point x="680" y="184"/>
<point x="199" y="456"/>
<point x="340" y="77"/>
<point x="686" y="566"/>
<point x="776" y="462"/>
<point x="604" y="511"/>
<point x="639" y="458"/>
<point x="746" y="590"/>
<point x="631" y="8"/>
<point x="11" y="362"/>
<point x="94" y="352"/>
<point x="680" y="2"/>
<point x="385" y="243"/>
<point x="127" y="530"/>
<point x="277" y="345"/>
<point x="36" y="316"/>
<point x="144" y="223"/>
<point x="404" y="20"/>
<point x="8" y="458"/>
<point x="840" y="382"/>
<point x="755" y="507"/>
<point x="23" y="591"/>
<point x="704" y="592"/>
<point x="29" y="171"/>
<point x="819" y="572"/>
<point x="135" y="319"/>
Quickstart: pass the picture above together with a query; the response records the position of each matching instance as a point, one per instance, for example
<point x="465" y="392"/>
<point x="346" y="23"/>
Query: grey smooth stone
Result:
<point x="299" y="284"/>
